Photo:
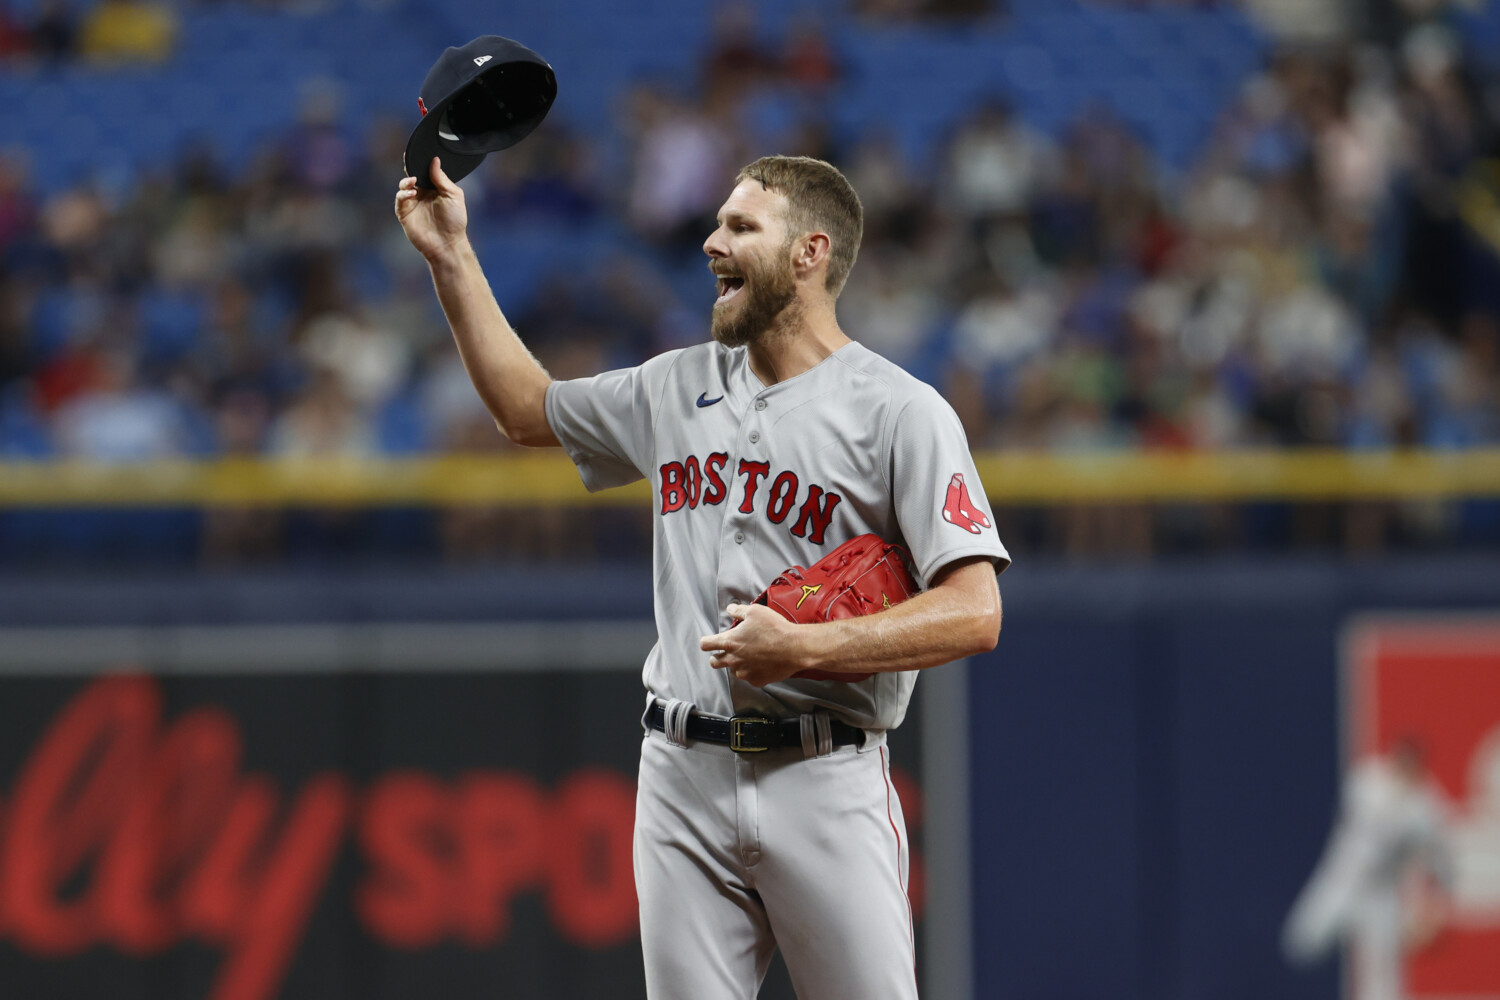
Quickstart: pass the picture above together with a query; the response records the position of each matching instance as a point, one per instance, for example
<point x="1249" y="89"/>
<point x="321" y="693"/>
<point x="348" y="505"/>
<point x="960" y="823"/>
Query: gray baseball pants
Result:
<point x="739" y="854"/>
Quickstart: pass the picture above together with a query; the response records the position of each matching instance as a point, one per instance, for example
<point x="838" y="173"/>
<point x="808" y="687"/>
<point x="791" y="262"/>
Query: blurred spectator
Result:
<point x="369" y="362"/>
<point x="194" y="249"/>
<point x="127" y="31"/>
<point x="548" y="178"/>
<point x="1065" y="219"/>
<point x="962" y="8"/>
<point x="54" y="33"/>
<point x="322" y="422"/>
<point x="75" y="223"/>
<point x="884" y="181"/>
<point x="908" y="9"/>
<point x="1301" y="22"/>
<point x="996" y="163"/>
<point x="321" y="157"/>
<point x="888" y="306"/>
<point x="809" y="62"/>
<point x="1000" y="329"/>
<point x="17" y="200"/>
<point x="118" y="419"/>
<point x="877" y="10"/>
<point x="15" y="40"/>
<point x="735" y="61"/>
<point x="683" y="160"/>
<point x="1322" y="272"/>
<point x="451" y="410"/>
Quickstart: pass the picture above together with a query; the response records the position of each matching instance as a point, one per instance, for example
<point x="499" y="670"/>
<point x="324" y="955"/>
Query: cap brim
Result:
<point x="424" y="144"/>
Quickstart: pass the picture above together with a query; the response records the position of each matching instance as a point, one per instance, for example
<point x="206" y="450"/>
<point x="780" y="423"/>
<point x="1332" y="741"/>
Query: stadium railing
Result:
<point x="1010" y="479"/>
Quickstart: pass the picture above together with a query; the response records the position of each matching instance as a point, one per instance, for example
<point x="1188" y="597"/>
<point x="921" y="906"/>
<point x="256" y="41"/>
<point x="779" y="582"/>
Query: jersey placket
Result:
<point x="738" y="538"/>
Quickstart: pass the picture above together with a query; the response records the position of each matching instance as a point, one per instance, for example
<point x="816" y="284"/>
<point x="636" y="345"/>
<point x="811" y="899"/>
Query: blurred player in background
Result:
<point x="1384" y="877"/>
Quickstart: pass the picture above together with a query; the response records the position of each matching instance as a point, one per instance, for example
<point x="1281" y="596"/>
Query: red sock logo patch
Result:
<point x="960" y="510"/>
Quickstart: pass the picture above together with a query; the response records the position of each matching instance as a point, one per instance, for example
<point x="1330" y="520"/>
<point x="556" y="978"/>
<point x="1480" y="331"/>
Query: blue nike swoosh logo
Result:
<point x="703" y="399"/>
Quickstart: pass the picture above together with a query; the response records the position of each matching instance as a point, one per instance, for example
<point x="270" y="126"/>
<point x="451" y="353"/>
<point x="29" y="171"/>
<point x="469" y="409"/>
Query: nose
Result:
<point x="714" y="246"/>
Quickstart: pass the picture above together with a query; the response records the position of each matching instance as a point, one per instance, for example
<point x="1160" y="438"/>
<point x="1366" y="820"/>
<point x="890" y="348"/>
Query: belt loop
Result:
<point x="809" y="735"/>
<point x="817" y="733"/>
<point x="674" y="721"/>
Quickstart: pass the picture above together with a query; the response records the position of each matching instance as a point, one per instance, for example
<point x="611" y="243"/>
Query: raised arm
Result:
<point x="509" y="380"/>
<point x="958" y="616"/>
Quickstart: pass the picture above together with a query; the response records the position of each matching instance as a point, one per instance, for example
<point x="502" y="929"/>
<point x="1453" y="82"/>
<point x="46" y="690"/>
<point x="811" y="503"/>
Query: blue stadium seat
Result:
<point x="171" y="323"/>
<point x="239" y="70"/>
<point x="399" y="427"/>
<point x="50" y="323"/>
<point x="23" y="432"/>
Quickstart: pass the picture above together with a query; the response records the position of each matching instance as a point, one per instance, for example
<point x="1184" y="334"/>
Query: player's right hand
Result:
<point x="434" y="220"/>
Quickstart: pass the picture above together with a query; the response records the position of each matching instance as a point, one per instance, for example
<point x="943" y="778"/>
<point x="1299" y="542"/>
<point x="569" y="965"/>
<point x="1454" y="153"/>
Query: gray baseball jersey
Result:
<point x="750" y="479"/>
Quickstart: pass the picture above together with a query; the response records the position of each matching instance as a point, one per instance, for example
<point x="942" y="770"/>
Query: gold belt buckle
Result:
<point x="737" y="733"/>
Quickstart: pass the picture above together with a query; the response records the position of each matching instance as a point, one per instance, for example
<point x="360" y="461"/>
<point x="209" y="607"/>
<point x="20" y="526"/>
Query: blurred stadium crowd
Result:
<point x="1322" y="270"/>
<point x="1318" y="273"/>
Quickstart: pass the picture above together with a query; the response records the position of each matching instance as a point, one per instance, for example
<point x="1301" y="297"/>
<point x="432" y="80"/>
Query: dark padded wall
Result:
<point x="1155" y="770"/>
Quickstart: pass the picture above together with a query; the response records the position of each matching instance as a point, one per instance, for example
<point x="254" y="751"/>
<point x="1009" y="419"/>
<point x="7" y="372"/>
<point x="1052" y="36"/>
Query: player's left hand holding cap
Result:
<point x="478" y="99"/>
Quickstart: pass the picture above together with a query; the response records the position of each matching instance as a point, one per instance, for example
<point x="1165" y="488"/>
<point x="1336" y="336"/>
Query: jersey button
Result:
<point x="739" y="538"/>
<point x="760" y="404"/>
<point x="754" y="436"/>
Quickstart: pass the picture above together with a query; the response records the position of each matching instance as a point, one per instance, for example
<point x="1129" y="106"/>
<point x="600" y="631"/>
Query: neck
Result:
<point x="803" y="335"/>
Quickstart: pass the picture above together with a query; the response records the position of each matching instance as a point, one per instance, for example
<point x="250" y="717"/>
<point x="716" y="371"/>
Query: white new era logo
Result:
<point x="481" y="60"/>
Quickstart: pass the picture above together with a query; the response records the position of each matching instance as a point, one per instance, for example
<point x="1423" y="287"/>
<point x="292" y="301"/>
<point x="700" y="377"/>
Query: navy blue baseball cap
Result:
<point x="477" y="99"/>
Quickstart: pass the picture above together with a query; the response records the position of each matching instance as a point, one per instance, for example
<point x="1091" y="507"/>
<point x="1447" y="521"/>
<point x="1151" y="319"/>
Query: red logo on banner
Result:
<point x="128" y="829"/>
<point x="1436" y="684"/>
<point x="177" y="843"/>
<point x="123" y="829"/>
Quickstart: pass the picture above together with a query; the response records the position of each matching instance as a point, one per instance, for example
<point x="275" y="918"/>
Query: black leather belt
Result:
<point x="750" y="733"/>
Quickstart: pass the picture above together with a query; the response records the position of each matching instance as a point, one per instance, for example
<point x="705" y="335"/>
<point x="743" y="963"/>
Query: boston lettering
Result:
<point x="691" y="482"/>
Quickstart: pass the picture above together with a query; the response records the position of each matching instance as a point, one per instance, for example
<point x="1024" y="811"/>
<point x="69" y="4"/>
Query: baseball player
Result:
<point x="1382" y="877"/>
<point x="765" y="815"/>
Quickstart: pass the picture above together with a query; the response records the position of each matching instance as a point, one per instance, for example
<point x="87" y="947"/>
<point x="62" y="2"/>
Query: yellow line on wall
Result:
<point x="337" y="482"/>
<point x="543" y="478"/>
<point x="1239" y="475"/>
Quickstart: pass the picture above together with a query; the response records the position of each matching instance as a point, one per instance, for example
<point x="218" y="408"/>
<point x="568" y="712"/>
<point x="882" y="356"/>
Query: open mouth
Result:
<point x="729" y="287"/>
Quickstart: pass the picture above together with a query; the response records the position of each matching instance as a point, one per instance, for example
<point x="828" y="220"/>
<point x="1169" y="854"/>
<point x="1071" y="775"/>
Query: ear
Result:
<point x="811" y="253"/>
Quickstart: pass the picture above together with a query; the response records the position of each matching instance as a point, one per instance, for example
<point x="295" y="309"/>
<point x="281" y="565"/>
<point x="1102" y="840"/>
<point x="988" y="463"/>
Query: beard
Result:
<point x="767" y="293"/>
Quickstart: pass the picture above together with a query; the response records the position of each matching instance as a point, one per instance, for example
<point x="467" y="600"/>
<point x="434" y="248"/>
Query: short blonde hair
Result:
<point x="820" y="199"/>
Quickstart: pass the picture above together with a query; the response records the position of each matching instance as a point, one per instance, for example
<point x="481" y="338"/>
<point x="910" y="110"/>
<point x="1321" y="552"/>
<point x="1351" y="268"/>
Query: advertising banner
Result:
<point x="324" y="813"/>
<point x="1423" y="693"/>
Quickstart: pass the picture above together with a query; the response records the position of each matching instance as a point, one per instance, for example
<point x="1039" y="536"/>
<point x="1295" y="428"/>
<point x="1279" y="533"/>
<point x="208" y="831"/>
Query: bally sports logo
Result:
<point x="125" y="830"/>
<point x="131" y="831"/>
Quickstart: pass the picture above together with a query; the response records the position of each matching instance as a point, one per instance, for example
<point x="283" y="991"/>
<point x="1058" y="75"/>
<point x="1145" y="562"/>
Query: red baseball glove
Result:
<point x="860" y="577"/>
